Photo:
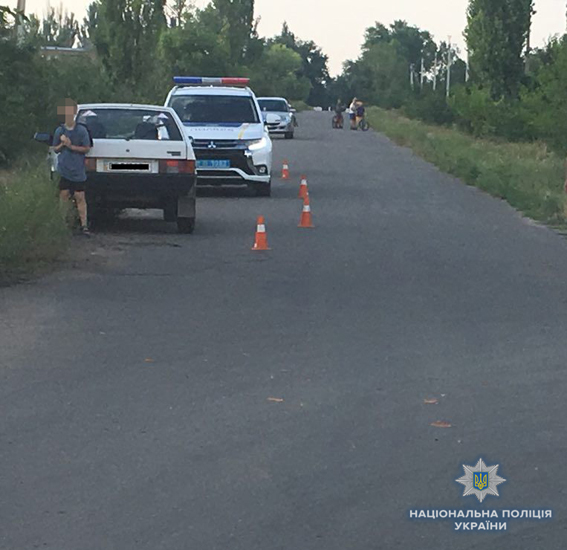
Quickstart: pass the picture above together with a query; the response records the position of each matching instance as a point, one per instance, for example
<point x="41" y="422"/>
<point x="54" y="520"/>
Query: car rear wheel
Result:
<point x="170" y="211"/>
<point x="185" y="225"/>
<point x="99" y="214"/>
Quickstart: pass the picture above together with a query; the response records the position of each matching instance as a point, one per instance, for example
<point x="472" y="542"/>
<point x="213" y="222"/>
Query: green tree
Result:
<point x="546" y="101"/>
<point x="58" y="28"/>
<point x="196" y="47"/>
<point x="237" y="24"/>
<point x="126" y="34"/>
<point x="282" y="64"/>
<point x="314" y="64"/>
<point x="382" y="73"/>
<point x="378" y="34"/>
<point x="497" y="35"/>
<point x="8" y="18"/>
<point x="178" y="10"/>
<point x="410" y="42"/>
<point x="21" y="97"/>
<point x="380" y="76"/>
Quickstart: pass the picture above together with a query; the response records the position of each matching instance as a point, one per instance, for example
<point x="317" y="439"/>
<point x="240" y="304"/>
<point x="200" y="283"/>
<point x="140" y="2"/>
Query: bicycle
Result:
<point x="363" y="125"/>
<point x="338" y="121"/>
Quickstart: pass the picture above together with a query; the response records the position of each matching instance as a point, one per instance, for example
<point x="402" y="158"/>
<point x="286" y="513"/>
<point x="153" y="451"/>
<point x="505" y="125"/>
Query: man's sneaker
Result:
<point x="85" y="232"/>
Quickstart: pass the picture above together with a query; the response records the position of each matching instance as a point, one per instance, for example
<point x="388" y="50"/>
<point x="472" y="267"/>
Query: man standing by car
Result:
<point x="72" y="142"/>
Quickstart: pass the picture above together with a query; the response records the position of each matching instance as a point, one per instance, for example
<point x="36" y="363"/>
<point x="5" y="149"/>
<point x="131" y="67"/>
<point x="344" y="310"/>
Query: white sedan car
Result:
<point x="141" y="158"/>
<point x="284" y="119"/>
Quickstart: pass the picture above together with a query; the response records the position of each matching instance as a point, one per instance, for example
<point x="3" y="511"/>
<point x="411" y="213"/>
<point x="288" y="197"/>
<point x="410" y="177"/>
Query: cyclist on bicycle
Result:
<point x="339" y="110"/>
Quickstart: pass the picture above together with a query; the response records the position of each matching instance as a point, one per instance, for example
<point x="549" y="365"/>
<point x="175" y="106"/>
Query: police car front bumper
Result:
<point x="245" y="167"/>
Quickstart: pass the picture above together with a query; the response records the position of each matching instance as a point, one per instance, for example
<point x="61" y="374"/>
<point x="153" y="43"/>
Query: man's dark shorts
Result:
<point x="72" y="186"/>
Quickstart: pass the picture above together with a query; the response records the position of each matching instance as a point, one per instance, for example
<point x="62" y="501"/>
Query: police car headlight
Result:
<point x="258" y="144"/>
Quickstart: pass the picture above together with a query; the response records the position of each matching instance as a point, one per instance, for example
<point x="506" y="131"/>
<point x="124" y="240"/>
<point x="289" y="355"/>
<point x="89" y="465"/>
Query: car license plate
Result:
<point x="215" y="164"/>
<point x="125" y="166"/>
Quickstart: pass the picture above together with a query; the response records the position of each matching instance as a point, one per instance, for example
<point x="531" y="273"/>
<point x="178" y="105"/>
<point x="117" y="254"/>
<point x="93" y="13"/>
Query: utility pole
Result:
<point x="21" y="8"/>
<point x="449" y="61"/>
<point x="422" y="75"/>
<point x="528" y="48"/>
<point x="411" y="75"/>
<point x="435" y="74"/>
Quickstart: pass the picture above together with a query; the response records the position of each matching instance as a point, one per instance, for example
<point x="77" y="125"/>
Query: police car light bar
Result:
<point x="209" y="81"/>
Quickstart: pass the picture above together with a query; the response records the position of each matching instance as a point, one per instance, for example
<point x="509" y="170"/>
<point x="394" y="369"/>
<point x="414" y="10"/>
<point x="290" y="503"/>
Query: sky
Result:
<point x="339" y="30"/>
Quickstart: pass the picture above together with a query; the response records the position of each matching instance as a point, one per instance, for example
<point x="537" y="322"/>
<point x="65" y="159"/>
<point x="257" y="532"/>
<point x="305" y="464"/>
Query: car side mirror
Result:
<point x="42" y="137"/>
<point x="293" y="111"/>
<point x="273" y="119"/>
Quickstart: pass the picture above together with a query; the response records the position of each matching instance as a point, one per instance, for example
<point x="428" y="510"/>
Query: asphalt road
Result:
<point x="172" y="392"/>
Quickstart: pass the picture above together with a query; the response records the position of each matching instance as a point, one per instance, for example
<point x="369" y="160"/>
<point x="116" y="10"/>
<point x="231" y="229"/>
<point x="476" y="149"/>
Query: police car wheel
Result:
<point x="185" y="225"/>
<point x="263" y="189"/>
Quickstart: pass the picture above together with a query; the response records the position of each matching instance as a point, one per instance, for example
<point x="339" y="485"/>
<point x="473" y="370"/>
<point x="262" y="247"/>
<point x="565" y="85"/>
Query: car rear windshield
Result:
<point x="215" y="109"/>
<point x="130" y="124"/>
<point x="277" y="105"/>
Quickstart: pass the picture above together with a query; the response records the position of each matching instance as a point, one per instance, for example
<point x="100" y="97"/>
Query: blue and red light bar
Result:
<point x="210" y="81"/>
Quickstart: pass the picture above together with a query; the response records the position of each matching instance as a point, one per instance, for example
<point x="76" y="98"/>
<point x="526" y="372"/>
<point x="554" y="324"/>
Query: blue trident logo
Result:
<point x="480" y="480"/>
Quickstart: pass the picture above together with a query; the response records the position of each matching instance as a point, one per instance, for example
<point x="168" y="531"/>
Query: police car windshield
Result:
<point x="274" y="105"/>
<point x="138" y="124"/>
<point x="215" y="109"/>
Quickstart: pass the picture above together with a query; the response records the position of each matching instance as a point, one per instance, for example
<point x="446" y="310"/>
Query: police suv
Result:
<point x="228" y="133"/>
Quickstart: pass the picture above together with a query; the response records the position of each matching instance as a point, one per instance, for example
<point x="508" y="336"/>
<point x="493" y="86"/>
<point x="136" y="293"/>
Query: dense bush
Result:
<point x="431" y="107"/>
<point x="31" y="87"/>
<point x="478" y="113"/>
<point x="32" y="226"/>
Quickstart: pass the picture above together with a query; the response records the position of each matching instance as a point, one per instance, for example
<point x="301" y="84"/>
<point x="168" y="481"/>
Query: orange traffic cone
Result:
<point x="261" y="241"/>
<point x="285" y="170"/>
<point x="303" y="189"/>
<point x="306" y="220"/>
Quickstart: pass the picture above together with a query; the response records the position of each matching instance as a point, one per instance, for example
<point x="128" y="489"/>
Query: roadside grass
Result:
<point x="300" y="106"/>
<point x="528" y="176"/>
<point x="33" y="230"/>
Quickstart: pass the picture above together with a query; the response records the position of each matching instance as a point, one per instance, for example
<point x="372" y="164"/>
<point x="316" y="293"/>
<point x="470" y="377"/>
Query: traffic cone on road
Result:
<point x="261" y="241"/>
<point x="285" y="170"/>
<point x="303" y="189"/>
<point x="306" y="220"/>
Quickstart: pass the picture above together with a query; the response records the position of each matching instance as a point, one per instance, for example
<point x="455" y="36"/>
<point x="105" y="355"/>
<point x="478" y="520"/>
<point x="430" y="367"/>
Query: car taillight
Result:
<point x="177" y="166"/>
<point x="90" y="164"/>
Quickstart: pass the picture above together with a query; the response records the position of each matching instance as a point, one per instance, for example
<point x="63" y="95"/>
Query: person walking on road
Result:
<point x="72" y="142"/>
